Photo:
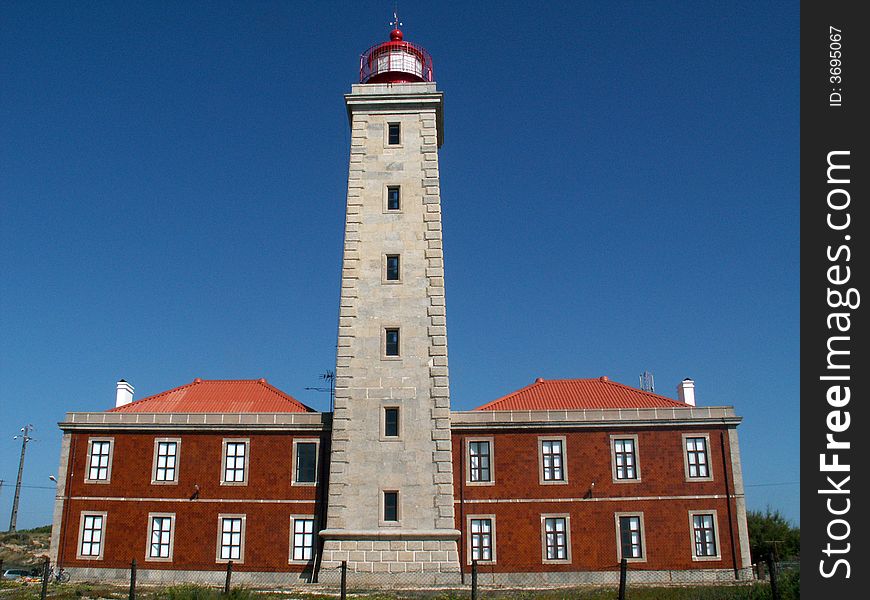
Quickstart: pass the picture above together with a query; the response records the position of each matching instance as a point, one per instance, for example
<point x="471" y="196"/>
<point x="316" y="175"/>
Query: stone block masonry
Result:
<point x="365" y="462"/>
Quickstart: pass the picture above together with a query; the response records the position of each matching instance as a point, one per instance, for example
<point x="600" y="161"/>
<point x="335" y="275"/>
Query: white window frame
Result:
<point x="468" y="469"/>
<point x="384" y="355"/>
<point x="641" y="530"/>
<point x="154" y="467"/>
<point x="393" y="211"/>
<point x="247" y="443"/>
<point x="707" y="453"/>
<point x="393" y="121"/>
<point x="382" y="505"/>
<point x="636" y="453"/>
<point x="492" y="539"/>
<point x="383" y="430"/>
<point x="293" y="520"/>
<point x="104" y="517"/>
<point x="564" y="455"/>
<point x="293" y="474"/>
<point x="713" y="513"/>
<point x="384" y="279"/>
<point x="556" y="561"/>
<point x="149" y="542"/>
<point x="111" y="442"/>
<point x="220" y="531"/>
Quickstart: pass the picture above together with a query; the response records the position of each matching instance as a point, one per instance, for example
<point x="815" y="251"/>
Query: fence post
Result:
<point x="771" y="569"/>
<point x="623" y="572"/>
<point x="133" y="580"/>
<point x="229" y="577"/>
<point x="45" y="574"/>
<point x="344" y="580"/>
<point x="474" y="579"/>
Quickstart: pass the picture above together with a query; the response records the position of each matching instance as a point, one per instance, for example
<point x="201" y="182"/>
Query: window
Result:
<point x="697" y="457"/>
<point x="552" y="460"/>
<point x="161" y="530"/>
<point x="391" y="346"/>
<point x="91" y="535"/>
<point x="391" y="507"/>
<point x="705" y="542"/>
<point x="393" y="198"/>
<point x="625" y="466"/>
<point x="235" y="470"/>
<point x="165" y="460"/>
<point x="480" y="461"/>
<point x="556" y="540"/>
<point x="391" y="422"/>
<point x="231" y="538"/>
<point x="99" y="460"/>
<point x="305" y="461"/>
<point x="392" y="267"/>
<point x="481" y="538"/>
<point x="302" y="541"/>
<point x="394" y="137"/>
<point x="629" y="534"/>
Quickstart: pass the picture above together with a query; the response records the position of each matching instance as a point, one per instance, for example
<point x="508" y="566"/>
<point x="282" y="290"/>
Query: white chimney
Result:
<point x="124" y="394"/>
<point x="686" y="392"/>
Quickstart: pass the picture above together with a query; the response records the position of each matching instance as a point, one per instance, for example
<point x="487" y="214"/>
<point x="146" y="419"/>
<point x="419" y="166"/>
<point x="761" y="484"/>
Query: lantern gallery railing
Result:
<point x="396" y="58"/>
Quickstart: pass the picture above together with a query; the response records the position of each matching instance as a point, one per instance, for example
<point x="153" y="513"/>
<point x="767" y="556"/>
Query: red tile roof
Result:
<point x="218" y="396"/>
<point x="569" y="394"/>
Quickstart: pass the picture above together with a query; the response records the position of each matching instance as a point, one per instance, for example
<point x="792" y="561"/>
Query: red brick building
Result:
<point x="190" y="479"/>
<point x="574" y="475"/>
<point x="554" y="483"/>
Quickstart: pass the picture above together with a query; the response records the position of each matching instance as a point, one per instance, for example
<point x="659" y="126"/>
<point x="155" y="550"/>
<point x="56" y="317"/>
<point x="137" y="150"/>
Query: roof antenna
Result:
<point x="329" y="376"/>
<point x="647" y="382"/>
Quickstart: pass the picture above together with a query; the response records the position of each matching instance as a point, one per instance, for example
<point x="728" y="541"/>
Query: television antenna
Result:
<point x="329" y="376"/>
<point x="647" y="382"/>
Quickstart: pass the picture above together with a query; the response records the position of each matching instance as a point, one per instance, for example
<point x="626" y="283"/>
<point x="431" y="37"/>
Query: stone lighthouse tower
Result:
<point x="390" y="502"/>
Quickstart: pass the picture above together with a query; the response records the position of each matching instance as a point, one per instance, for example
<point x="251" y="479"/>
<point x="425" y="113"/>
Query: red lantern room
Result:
<point x="396" y="61"/>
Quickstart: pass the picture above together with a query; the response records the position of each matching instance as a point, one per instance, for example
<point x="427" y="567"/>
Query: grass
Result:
<point x="789" y="586"/>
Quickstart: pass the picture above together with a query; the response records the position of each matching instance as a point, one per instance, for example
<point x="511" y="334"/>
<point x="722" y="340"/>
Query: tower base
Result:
<point x="388" y="559"/>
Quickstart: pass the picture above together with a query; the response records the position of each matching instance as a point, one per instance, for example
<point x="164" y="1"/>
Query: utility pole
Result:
<point x="25" y="437"/>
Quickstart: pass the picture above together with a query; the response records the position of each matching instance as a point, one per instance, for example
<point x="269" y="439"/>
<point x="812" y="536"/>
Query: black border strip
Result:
<point x="834" y="265"/>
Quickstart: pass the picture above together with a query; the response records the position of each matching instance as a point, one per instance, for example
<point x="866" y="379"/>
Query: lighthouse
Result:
<point x="390" y="499"/>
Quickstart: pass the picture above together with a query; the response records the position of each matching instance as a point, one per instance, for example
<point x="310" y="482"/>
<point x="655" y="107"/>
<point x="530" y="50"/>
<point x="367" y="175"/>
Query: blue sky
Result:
<point x="619" y="187"/>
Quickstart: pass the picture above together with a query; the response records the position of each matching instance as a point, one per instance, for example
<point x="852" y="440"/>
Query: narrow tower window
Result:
<point x="391" y="422"/>
<point x="392" y="342"/>
<point x="393" y="198"/>
<point x="394" y="135"/>
<point x="391" y="506"/>
<point x="392" y="267"/>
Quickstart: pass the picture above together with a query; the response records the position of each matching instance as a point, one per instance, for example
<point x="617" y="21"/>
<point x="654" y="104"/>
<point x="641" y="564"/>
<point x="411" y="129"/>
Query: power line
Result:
<point x="772" y="484"/>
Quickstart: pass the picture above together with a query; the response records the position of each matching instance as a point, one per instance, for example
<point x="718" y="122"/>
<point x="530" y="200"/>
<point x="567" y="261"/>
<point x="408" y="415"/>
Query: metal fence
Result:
<point x="479" y="583"/>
